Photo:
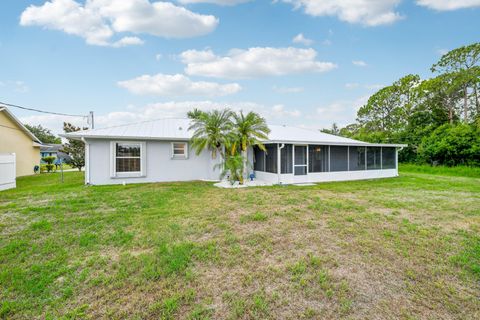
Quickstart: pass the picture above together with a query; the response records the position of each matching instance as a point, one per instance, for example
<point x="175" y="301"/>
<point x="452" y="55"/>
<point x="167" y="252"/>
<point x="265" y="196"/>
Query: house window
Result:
<point x="128" y="157"/>
<point x="179" y="150"/>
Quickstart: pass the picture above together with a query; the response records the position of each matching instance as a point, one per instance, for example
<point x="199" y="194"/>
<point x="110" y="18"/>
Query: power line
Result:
<point x="42" y="111"/>
<point x="1" y="125"/>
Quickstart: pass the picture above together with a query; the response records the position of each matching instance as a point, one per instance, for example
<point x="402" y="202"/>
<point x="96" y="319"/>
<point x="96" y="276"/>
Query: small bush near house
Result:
<point x="49" y="160"/>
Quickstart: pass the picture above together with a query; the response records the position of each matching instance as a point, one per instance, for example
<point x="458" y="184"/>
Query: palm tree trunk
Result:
<point x="244" y="155"/>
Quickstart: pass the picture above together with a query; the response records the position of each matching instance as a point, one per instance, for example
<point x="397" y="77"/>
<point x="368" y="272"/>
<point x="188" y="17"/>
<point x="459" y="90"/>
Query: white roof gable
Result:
<point x="177" y="129"/>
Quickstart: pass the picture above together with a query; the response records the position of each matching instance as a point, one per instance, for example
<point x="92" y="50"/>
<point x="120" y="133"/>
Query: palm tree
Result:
<point x="249" y="129"/>
<point x="195" y="114"/>
<point x="212" y="130"/>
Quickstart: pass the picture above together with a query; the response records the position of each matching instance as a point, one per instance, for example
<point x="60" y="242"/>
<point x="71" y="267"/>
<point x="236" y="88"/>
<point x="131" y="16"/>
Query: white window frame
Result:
<point x="113" y="162"/>
<point x="179" y="156"/>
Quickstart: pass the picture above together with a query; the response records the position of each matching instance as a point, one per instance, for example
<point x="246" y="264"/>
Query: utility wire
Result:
<point x="41" y="111"/>
<point x="1" y="125"/>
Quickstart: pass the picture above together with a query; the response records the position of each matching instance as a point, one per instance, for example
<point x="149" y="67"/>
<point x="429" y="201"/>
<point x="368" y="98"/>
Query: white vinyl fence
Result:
<point x="7" y="171"/>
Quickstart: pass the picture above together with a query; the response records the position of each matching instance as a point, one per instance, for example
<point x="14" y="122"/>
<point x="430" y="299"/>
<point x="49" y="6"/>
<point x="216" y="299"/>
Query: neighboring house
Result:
<point x="159" y="150"/>
<point x="54" y="150"/>
<point x="16" y="138"/>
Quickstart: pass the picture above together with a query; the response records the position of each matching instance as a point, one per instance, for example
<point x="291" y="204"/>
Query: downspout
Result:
<point x="279" y="149"/>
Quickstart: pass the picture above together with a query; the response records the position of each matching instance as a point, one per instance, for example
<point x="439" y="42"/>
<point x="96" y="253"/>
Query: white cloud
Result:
<point x="17" y="86"/>
<point x="280" y="111"/>
<point x="219" y="2"/>
<point x="161" y="110"/>
<point x="374" y="86"/>
<point x="342" y="112"/>
<point x="127" y="41"/>
<point x="177" y="85"/>
<point x="351" y="85"/>
<point x="158" y="56"/>
<point x="448" y="5"/>
<point x="442" y="51"/>
<point x="98" y="21"/>
<point x="300" y="38"/>
<point x="354" y="85"/>
<point x="359" y="63"/>
<point x="366" y="12"/>
<point x="288" y="89"/>
<point x="254" y="62"/>
<point x="53" y="122"/>
<point x="327" y="42"/>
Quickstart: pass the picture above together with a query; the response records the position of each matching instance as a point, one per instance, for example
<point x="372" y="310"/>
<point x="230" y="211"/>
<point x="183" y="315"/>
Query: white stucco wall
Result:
<point x="159" y="165"/>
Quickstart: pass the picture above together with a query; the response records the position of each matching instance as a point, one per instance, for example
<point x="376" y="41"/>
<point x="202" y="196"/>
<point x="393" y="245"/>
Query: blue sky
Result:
<point x="297" y="62"/>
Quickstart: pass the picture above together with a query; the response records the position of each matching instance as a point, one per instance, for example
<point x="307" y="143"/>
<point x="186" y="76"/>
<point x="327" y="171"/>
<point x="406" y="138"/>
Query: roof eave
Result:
<point x="81" y="137"/>
<point x="339" y="143"/>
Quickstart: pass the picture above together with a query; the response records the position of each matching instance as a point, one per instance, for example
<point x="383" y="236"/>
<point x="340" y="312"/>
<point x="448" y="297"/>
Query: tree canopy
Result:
<point x="74" y="148"/>
<point x="44" y="134"/>
<point x="428" y="114"/>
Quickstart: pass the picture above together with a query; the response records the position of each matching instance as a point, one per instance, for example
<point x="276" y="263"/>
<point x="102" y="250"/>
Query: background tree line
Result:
<point x="439" y="117"/>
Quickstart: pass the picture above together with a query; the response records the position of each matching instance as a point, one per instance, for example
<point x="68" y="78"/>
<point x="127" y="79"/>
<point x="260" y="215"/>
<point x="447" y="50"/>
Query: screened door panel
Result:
<point x="338" y="158"/>
<point x="300" y="160"/>
<point x="300" y="170"/>
<point x="300" y="155"/>
<point x="286" y="158"/>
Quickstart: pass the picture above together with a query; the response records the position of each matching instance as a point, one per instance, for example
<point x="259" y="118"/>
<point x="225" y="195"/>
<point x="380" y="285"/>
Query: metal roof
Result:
<point x="20" y="124"/>
<point x="51" y="147"/>
<point x="177" y="129"/>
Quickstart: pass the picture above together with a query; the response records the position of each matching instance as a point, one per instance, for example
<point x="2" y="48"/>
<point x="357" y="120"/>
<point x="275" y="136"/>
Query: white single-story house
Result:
<point x="159" y="150"/>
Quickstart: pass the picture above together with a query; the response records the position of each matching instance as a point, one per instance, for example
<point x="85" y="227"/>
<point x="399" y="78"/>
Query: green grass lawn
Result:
<point x="406" y="247"/>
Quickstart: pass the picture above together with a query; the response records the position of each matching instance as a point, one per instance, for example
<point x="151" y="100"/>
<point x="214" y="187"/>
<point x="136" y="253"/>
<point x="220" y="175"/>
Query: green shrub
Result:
<point x="49" y="160"/>
<point x="451" y="145"/>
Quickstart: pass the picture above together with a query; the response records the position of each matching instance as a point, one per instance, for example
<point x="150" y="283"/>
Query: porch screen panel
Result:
<point x="317" y="158"/>
<point x="259" y="159"/>
<point x="271" y="158"/>
<point x="357" y="158"/>
<point x="338" y="158"/>
<point x="373" y="158"/>
<point x="388" y="158"/>
<point x="286" y="155"/>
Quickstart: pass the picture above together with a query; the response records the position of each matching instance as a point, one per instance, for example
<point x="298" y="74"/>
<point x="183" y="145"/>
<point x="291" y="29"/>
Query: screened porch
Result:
<point x="315" y="162"/>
